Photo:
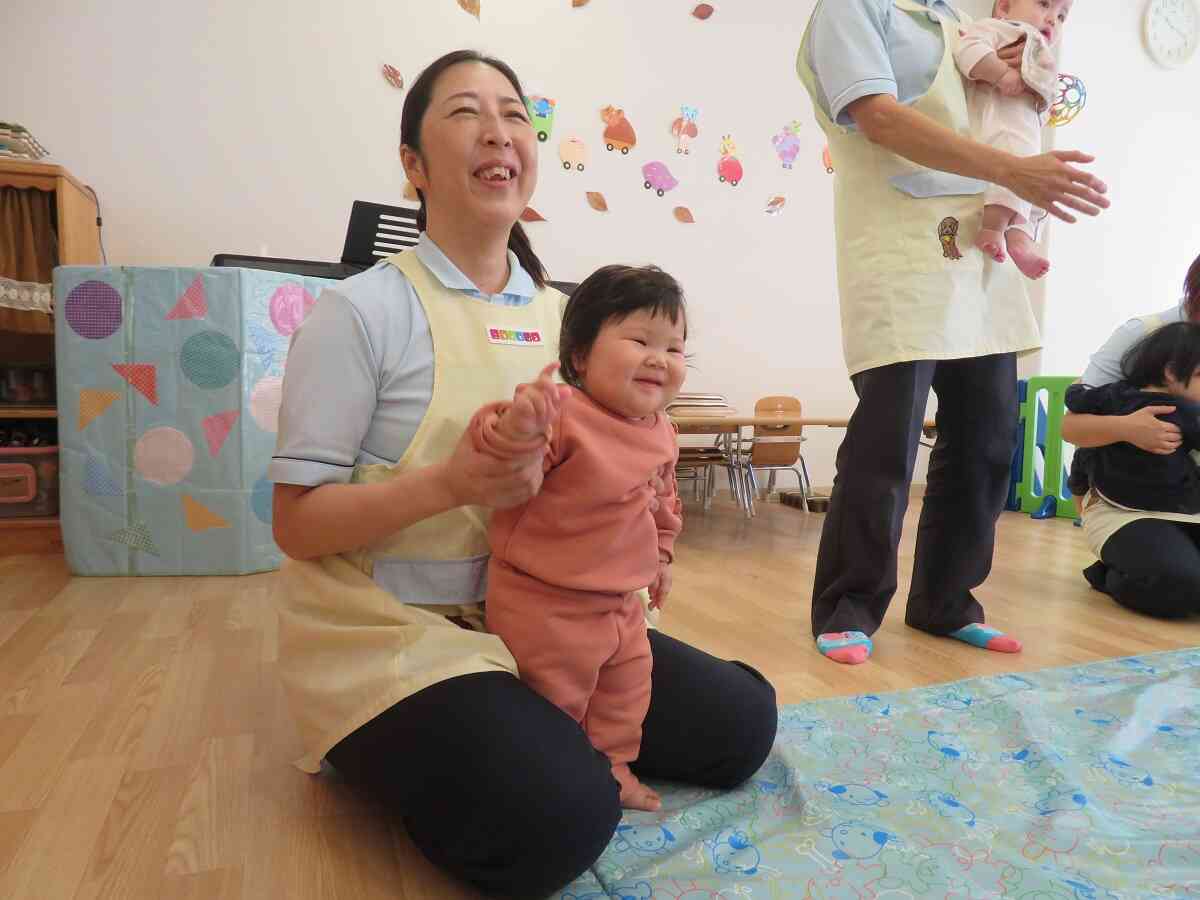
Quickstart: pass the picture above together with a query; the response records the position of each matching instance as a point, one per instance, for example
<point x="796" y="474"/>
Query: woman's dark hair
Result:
<point x="1174" y="348"/>
<point x="1191" y="292"/>
<point x="415" y="105"/>
<point x="614" y="293"/>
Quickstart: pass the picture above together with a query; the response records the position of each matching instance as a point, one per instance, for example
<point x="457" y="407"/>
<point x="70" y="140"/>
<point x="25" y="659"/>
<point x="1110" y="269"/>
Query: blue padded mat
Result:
<point x="1081" y="782"/>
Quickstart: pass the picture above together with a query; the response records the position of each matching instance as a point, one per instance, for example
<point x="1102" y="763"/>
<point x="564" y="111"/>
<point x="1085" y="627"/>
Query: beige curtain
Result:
<point x="28" y="251"/>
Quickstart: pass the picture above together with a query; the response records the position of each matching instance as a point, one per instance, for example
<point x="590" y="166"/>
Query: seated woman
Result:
<point x="1146" y="534"/>
<point x="382" y="502"/>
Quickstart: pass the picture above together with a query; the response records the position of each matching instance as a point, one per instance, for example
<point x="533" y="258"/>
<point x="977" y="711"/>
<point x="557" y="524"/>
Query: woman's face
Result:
<point x="478" y="157"/>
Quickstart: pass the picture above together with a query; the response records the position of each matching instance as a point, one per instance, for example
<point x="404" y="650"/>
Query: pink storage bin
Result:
<point x="28" y="482"/>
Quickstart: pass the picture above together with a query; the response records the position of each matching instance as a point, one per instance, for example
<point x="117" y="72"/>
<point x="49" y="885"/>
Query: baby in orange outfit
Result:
<point x="567" y="566"/>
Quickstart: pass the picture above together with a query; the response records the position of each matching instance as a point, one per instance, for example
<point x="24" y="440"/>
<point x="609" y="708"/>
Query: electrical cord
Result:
<point x="99" y="224"/>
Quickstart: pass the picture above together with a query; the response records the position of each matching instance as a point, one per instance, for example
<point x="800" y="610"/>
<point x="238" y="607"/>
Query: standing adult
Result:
<point x="921" y="308"/>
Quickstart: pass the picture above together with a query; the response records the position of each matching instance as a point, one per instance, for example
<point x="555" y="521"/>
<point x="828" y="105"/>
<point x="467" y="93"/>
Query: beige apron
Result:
<point x="911" y="283"/>
<point x="361" y="631"/>
<point x="1101" y="517"/>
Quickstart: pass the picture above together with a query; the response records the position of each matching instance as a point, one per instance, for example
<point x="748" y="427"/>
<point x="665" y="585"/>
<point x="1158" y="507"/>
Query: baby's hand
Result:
<point x="661" y="587"/>
<point x="535" y="406"/>
<point x="1011" y="84"/>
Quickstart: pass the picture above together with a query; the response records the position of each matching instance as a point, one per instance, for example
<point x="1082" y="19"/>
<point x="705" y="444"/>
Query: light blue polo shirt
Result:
<point x="359" y="374"/>
<point x="859" y="48"/>
<point x="1105" y="366"/>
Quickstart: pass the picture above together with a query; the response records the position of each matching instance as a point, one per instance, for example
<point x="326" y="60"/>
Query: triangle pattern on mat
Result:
<point x="142" y="376"/>
<point x="200" y="517"/>
<point x="98" y="480"/>
<point x="193" y="303"/>
<point x="217" y="428"/>
<point x="93" y="404"/>
<point x="136" y="536"/>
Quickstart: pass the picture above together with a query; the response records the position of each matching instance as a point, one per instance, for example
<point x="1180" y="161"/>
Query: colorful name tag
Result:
<point x="517" y="338"/>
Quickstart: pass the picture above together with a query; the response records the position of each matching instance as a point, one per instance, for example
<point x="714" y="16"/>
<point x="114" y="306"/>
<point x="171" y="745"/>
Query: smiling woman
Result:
<point x="474" y="183"/>
<point x="382" y="502"/>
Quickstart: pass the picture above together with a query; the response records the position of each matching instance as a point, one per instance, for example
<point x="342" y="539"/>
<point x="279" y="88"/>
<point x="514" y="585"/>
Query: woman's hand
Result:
<point x="1012" y="54"/>
<point x="1011" y="84"/>
<point x="472" y="478"/>
<point x="1048" y="180"/>
<point x="1145" y="430"/>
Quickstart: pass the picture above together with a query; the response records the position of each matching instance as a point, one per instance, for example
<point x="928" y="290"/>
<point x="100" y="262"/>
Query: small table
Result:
<point x="735" y="423"/>
<point x="728" y="428"/>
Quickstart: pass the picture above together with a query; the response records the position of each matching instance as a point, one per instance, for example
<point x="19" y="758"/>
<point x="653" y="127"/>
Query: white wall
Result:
<point x="251" y="127"/>
<point x="1142" y="123"/>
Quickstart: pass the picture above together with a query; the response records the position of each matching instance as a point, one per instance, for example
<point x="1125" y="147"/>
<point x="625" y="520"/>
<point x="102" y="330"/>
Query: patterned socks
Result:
<point x="853" y="647"/>
<point x="987" y="637"/>
<point x="848" y="647"/>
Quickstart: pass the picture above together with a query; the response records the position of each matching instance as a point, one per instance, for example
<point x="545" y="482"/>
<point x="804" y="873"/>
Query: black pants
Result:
<point x="967" y="486"/>
<point x="502" y="789"/>
<point x="1153" y="567"/>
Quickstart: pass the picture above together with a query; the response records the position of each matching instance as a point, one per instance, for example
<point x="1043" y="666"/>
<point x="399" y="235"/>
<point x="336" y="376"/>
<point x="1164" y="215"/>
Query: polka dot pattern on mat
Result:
<point x="261" y="499"/>
<point x="210" y="360"/>
<point x="265" y="400"/>
<point x="290" y="306"/>
<point x="93" y="310"/>
<point x="164" y="456"/>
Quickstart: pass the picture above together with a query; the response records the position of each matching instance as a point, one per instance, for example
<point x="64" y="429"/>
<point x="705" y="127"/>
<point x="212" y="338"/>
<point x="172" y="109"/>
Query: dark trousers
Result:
<point x="502" y="789"/>
<point x="969" y="473"/>
<point x="1153" y="568"/>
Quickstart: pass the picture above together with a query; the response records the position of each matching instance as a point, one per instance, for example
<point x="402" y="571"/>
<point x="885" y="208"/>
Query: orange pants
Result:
<point x="587" y="653"/>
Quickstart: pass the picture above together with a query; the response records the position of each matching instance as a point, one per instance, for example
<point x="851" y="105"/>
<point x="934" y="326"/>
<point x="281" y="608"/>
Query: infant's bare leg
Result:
<point x="996" y="220"/>
<point x="1024" y="253"/>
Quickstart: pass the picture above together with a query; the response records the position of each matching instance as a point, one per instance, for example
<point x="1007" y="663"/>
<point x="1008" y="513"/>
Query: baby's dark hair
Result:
<point x="1174" y="348"/>
<point x="614" y="292"/>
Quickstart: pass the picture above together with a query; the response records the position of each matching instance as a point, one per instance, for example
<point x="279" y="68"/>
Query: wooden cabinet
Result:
<point x="78" y="234"/>
<point x="78" y="241"/>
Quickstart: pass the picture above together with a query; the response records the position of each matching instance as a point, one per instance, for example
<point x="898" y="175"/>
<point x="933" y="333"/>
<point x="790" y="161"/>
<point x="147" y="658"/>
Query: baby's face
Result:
<point x="1189" y="391"/>
<point x="636" y="365"/>
<point x="1047" y="16"/>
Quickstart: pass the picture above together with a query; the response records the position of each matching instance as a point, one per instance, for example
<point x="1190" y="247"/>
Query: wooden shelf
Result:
<point x="29" y="522"/>
<point x="28" y="412"/>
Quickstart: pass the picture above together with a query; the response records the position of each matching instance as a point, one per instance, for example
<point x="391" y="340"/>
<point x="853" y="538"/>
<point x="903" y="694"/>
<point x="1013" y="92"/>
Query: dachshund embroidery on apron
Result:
<point x="948" y="234"/>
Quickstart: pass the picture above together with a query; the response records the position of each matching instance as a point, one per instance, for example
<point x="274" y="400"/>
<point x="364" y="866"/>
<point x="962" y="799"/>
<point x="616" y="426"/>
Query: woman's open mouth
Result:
<point x="496" y="175"/>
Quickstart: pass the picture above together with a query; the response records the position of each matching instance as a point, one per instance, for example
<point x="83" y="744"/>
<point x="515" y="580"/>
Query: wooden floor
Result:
<point x="144" y="741"/>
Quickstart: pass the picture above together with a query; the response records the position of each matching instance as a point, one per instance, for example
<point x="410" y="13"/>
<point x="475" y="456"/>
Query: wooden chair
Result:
<point x="698" y="462"/>
<point x="775" y="448"/>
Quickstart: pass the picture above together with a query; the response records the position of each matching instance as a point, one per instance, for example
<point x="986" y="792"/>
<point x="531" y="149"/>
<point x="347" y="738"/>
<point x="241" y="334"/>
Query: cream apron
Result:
<point x="1101" y="517"/>
<point x="361" y="631"/>
<point x="911" y="283"/>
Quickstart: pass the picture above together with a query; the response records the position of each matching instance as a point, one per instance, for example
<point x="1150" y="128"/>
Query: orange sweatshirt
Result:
<point x="590" y="528"/>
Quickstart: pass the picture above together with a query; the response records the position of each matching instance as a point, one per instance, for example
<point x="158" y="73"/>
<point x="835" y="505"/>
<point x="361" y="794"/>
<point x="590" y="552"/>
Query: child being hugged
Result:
<point x="1141" y="511"/>
<point x="568" y="566"/>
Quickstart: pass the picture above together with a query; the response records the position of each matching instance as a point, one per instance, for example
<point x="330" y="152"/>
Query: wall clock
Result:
<point x="1172" y="31"/>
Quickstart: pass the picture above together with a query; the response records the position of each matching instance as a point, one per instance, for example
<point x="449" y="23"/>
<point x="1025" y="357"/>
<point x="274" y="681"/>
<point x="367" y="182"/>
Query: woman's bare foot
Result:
<point x="634" y="794"/>
<point x="991" y="243"/>
<point x="1025" y="254"/>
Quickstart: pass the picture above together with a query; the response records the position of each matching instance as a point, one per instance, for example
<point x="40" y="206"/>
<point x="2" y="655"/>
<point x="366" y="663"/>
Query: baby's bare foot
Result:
<point x="1025" y="254"/>
<point x="634" y="794"/>
<point x="991" y="243"/>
